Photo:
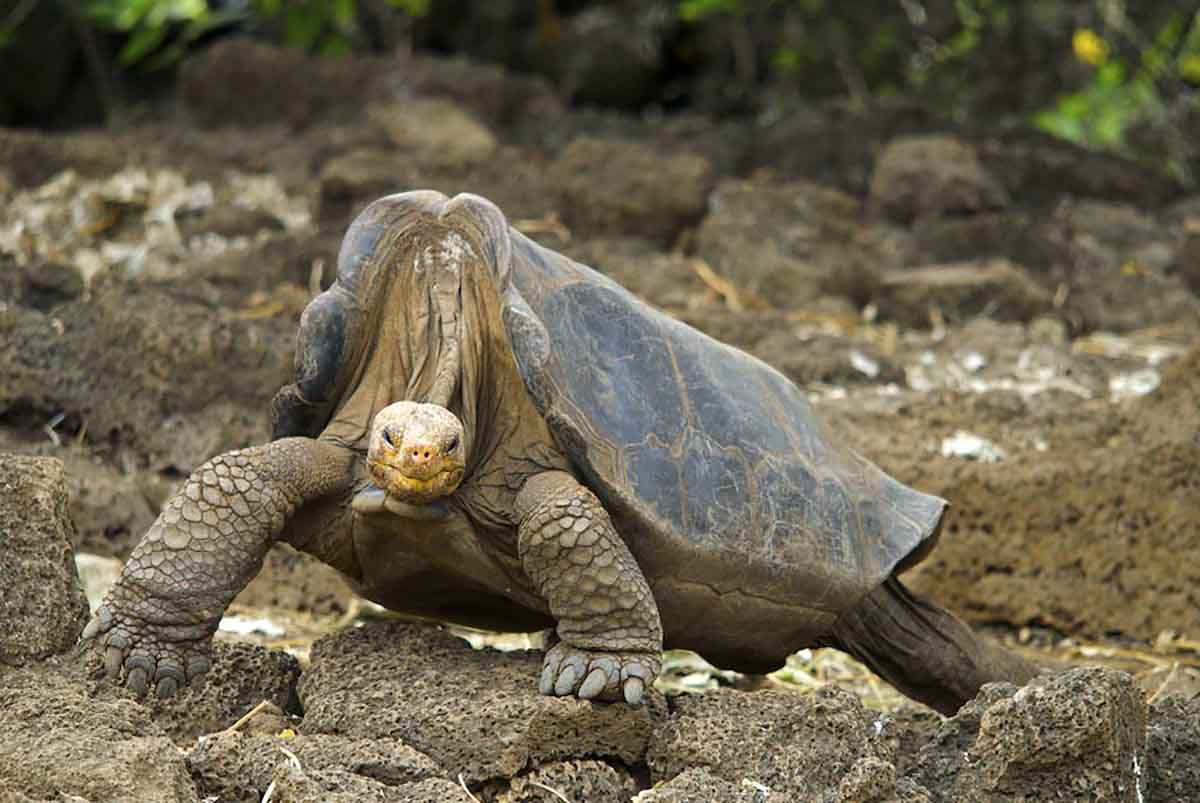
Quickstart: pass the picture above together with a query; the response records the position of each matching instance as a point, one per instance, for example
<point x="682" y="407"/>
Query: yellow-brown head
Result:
<point x="416" y="452"/>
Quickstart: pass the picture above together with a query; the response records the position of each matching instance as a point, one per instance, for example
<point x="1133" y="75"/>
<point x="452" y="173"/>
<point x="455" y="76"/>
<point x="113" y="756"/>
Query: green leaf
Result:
<point x="133" y="13"/>
<point x="333" y="44"/>
<point x="414" y="8"/>
<point x="142" y="42"/>
<point x="696" y="10"/>
<point x="342" y="12"/>
<point x="302" y="27"/>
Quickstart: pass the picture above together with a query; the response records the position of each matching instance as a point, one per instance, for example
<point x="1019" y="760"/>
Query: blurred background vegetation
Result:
<point x="1108" y="74"/>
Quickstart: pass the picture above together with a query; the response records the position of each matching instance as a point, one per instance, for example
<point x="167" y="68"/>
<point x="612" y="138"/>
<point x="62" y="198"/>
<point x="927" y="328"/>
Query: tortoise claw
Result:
<point x="593" y="684"/>
<point x="167" y="687"/>
<point x="634" y="688"/>
<point x="159" y="659"/>
<point x="597" y="675"/>
<point x="136" y="681"/>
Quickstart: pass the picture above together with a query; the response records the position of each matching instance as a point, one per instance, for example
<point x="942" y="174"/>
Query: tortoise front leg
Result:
<point x="156" y="623"/>
<point x="607" y="619"/>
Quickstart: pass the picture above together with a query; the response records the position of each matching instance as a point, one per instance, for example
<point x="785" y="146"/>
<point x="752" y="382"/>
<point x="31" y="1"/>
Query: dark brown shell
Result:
<point x="713" y="463"/>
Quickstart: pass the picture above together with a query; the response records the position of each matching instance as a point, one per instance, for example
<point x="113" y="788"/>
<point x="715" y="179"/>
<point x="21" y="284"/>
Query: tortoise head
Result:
<point x="416" y="452"/>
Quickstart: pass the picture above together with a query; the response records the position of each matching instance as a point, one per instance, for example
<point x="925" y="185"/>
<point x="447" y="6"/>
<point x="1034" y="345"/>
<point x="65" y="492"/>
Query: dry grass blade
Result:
<point x="551" y="790"/>
<point x="249" y="715"/>
<point x="270" y="309"/>
<point x="724" y="288"/>
<point x="463" y="784"/>
<point x="1087" y="651"/>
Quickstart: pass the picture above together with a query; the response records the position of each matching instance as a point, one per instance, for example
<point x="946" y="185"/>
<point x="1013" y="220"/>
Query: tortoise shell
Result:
<point x="712" y="464"/>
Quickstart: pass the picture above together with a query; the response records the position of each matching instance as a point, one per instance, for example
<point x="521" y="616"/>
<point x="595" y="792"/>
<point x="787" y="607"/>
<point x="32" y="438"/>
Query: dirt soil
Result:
<point x="1023" y="342"/>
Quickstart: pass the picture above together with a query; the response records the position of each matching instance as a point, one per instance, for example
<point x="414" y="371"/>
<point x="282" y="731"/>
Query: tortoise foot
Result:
<point x="598" y="675"/>
<point x="136" y="642"/>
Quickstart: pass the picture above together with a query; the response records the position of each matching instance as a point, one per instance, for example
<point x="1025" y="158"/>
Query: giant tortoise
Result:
<point x="485" y="432"/>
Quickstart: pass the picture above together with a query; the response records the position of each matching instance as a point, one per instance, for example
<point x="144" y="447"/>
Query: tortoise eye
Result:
<point x="387" y="438"/>
<point x="452" y="444"/>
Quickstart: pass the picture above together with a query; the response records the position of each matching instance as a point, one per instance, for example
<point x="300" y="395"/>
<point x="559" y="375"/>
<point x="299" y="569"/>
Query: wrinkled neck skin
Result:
<point x="441" y="340"/>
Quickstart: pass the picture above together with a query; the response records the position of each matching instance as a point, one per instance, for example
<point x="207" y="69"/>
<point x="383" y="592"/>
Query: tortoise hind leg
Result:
<point x="923" y="650"/>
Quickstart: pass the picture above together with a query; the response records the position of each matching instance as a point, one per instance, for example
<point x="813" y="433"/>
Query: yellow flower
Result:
<point x="1089" y="47"/>
<point x="1189" y="68"/>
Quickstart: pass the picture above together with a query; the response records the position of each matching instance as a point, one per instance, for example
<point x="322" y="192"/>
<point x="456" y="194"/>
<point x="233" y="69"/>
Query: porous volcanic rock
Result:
<point x="1173" y="750"/>
<point x="434" y="127"/>
<point x="58" y="742"/>
<point x="42" y="607"/>
<point x="930" y="176"/>
<point x="615" y="186"/>
<point x="586" y="780"/>
<point x="993" y="288"/>
<point x="238" y="768"/>
<point x="475" y="712"/>
<point x="1076" y="735"/>
<point x="298" y="785"/>
<point x="242" y="676"/>
<point x="798" y="745"/>
<point x="694" y="785"/>
<point x="791" y="243"/>
<point x="153" y="367"/>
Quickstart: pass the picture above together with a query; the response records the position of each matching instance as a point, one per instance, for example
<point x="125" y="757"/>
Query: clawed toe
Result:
<point x="138" y="654"/>
<point x="595" y="675"/>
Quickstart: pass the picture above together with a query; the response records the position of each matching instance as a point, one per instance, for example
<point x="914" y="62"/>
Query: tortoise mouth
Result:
<point x="415" y="490"/>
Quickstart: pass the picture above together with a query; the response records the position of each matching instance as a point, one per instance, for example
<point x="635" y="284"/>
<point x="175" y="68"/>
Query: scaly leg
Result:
<point x="608" y="621"/>
<point x="155" y="626"/>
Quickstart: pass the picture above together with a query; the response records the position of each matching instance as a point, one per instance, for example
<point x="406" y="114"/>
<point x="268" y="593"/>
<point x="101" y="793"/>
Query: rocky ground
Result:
<point x="1009" y="322"/>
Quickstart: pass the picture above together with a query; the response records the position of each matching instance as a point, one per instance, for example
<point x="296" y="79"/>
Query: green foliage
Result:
<point x="148" y="24"/>
<point x="1099" y="114"/>
<point x="1119" y="95"/>
<point x="696" y="10"/>
<point x="158" y="32"/>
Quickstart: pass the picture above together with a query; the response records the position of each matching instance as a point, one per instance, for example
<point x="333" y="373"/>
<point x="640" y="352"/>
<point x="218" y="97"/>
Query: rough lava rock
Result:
<point x="294" y="784"/>
<point x="611" y="185"/>
<point x="578" y="780"/>
<point x="42" y="605"/>
<point x="475" y="712"/>
<point x="242" y="676"/>
<point x="799" y="745"/>
<point x="58" y="742"/>
<point x="1076" y="735"/>
<point x="932" y="176"/>
<point x="792" y="243"/>
<point x="149" y="366"/>
<point x="1173" y="749"/>
<point x="992" y="288"/>
<point x="424" y="125"/>
<point x="695" y="785"/>
<point x="237" y="767"/>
